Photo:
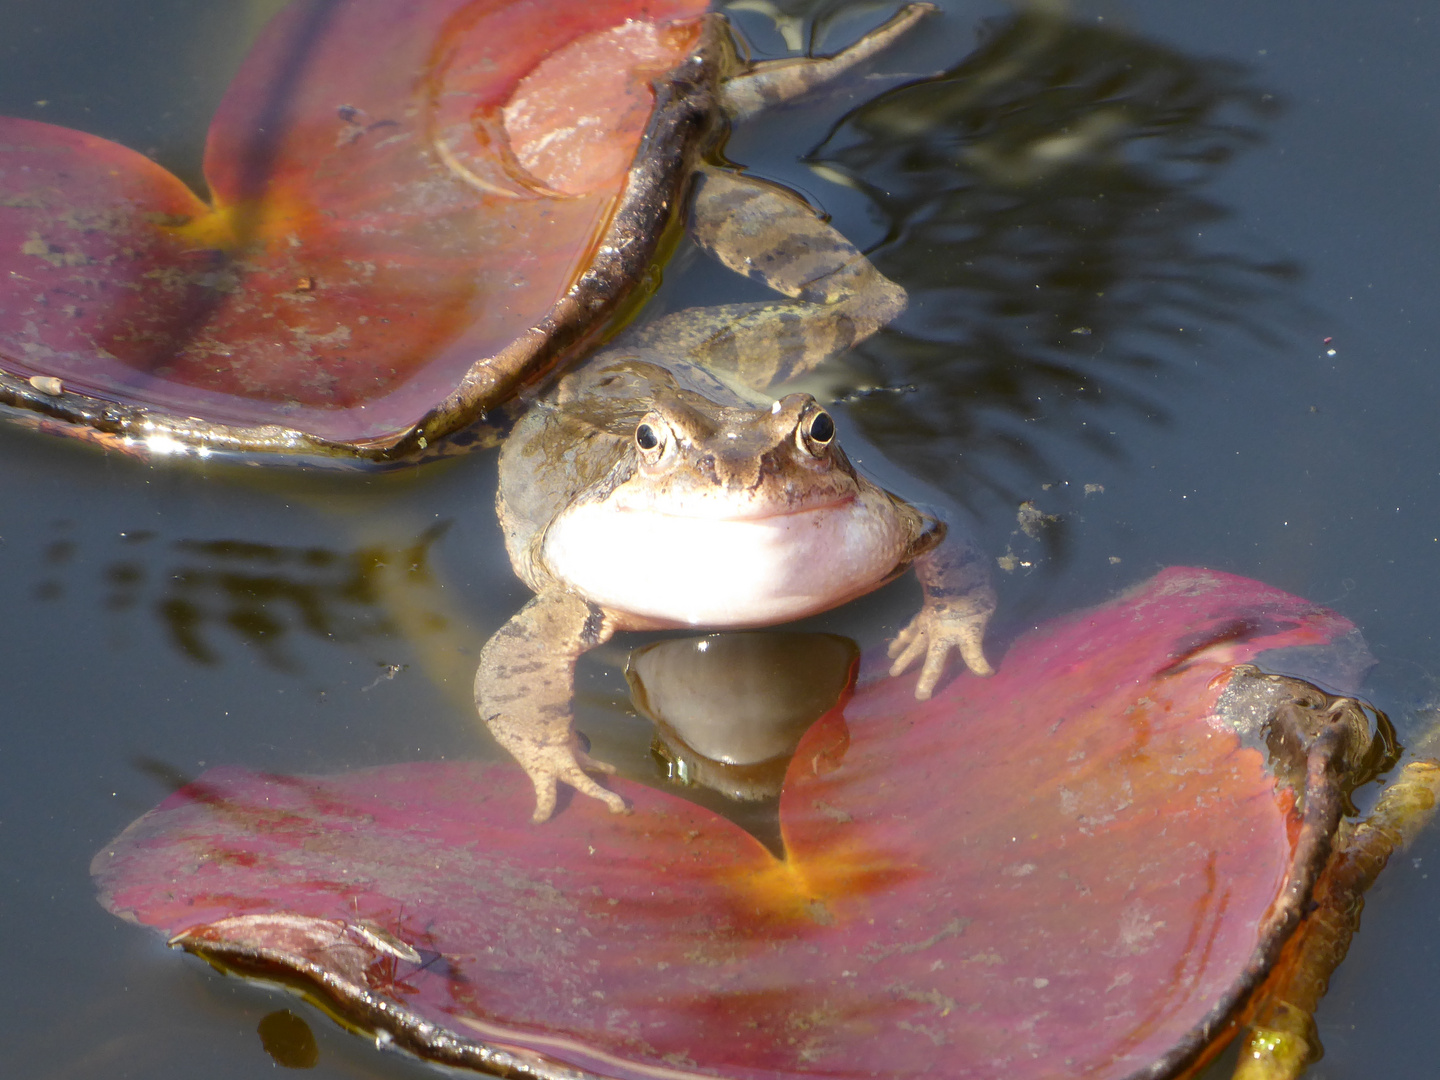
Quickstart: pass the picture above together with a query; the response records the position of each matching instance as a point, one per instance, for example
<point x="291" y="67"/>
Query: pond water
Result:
<point x="1196" y="331"/>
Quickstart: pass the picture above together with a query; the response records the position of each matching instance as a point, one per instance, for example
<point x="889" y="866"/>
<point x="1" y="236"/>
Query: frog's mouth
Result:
<point x="719" y="508"/>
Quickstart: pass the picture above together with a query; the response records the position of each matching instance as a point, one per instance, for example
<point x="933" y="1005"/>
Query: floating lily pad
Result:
<point x="413" y="207"/>
<point x="1081" y="866"/>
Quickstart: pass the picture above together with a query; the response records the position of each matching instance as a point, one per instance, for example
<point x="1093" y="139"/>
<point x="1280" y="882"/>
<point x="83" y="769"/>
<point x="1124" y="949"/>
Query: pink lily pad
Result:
<point x="1081" y="866"/>
<point x="404" y="201"/>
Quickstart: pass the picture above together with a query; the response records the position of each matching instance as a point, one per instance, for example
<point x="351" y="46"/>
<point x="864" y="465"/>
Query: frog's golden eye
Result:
<point x="815" y="432"/>
<point x="822" y="428"/>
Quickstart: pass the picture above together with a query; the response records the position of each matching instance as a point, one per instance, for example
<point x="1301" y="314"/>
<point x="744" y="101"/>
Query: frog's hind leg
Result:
<point x="770" y="234"/>
<point x="774" y="82"/>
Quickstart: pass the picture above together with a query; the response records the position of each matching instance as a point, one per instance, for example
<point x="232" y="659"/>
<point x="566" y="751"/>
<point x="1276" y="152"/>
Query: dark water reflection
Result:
<point x="262" y="593"/>
<point x="288" y="1039"/>
<point x="1047" y="201"/>
<point x="1064" y="176"/>
<point x="258" y="595"/>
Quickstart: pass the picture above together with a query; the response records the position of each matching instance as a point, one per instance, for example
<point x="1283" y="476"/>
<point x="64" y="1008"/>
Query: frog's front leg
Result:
<point x="959" y="600"/>
<point x="524" y="687"/>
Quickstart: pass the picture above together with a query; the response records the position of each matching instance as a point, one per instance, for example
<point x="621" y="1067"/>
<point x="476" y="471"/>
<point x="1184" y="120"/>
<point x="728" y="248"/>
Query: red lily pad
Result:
<point x="404" y="201"/>
<point x="1081" y="866"/>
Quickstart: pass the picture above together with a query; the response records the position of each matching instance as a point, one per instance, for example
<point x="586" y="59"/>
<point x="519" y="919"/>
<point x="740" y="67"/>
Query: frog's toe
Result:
<point x="576" y="770"/>
<point x="544" y="797"/>
<point x="556" y="765"/>
<point x="932" y="636"/>
<point x="972" y="651"/>
<point x="546" y="790"/>
<point x="586" y="786"/>
<point x="590" y="764"/>
<point x="909" y="645"/>
<point x="932" y="670"/>
<point x="968" y="639"/>
<point x="967" y="634"/>
<point x="616" y="804"/>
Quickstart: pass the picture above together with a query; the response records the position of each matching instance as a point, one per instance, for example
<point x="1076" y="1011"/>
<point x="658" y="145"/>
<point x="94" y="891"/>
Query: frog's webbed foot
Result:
<point x="547" y="766"/>
<point x="771" y="82"/>
<point x="959" y="600"/>
<point x="523" y="689"/>
<point x="932" y="634"/>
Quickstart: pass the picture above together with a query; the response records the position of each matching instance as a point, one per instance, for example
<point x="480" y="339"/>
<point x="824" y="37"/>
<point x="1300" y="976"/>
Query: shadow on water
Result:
<point x="1048" y="209"/>
<point x="262" y="596"/>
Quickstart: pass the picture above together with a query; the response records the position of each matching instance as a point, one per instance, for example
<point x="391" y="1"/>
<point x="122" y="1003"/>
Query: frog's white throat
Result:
<point x="692" y="571"/>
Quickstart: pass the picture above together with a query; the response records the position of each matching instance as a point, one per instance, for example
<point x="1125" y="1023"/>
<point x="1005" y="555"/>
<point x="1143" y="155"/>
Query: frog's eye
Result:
<point x="822" y="428"/>
<point x="653" y="438"/>
<point x="815" y="432"/>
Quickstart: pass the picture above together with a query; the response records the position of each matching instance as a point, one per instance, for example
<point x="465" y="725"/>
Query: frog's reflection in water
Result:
<point x="730" y="710"/>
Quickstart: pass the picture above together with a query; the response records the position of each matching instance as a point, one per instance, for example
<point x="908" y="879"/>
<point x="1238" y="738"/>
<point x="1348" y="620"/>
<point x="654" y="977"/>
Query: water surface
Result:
<point x="1199" y="332"/>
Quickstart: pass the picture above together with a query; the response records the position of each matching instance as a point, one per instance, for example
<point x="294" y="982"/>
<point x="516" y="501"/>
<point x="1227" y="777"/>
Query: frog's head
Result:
<point x="722" y="514"/>
<point x="696" y="459"/>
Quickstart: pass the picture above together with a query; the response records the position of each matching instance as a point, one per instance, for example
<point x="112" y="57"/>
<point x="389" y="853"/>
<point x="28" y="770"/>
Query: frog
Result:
<point x="661" y="484"/>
